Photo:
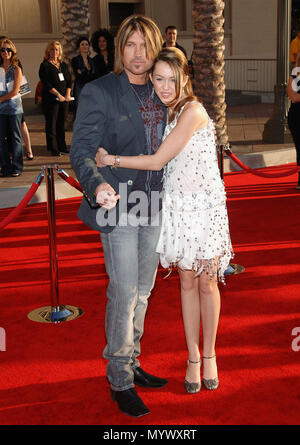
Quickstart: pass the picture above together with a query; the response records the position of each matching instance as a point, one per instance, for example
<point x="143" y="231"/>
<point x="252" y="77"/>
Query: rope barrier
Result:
<point x="56" y="312"/>
<point x="73" y="182"/>
<point x="257" y="173"/>
<point x="21" y="206"/>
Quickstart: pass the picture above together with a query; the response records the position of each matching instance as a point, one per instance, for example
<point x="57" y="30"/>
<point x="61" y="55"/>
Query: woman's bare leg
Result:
<point x="210" y="311"/>
<point x="26" y="138"/>
<point x="190" y="304"/>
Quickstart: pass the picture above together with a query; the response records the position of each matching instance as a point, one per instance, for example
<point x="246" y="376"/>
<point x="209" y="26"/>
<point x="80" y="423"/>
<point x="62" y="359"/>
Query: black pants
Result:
<point x="294" y="126"/>
<point x="55" y="118"/>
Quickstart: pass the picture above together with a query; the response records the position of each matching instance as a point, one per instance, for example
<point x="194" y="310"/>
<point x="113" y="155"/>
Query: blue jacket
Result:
<point x="107" y="116"/>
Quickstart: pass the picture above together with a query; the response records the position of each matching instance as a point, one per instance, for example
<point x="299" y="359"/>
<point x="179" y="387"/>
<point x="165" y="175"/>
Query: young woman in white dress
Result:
<point x="195" y="234"/>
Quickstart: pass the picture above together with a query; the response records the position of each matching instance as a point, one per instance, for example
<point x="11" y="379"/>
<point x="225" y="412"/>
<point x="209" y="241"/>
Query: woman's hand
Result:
<point x="61" y="98"/>
<point x="100" y="157"/>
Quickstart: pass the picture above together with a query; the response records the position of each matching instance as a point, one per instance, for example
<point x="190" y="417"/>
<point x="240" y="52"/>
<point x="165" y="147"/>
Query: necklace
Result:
<point x="56" y="64"/>
<point x="149" y="116"/>
<point x="140" y="100"/>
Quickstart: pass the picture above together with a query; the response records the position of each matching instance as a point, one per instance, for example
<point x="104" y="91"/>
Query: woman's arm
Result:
<point x="292" y="94"/>
<point x="68" y="95"/>
<point x="16" y="86"/>
<point x="192" y="118"/>
<point x="59" y="96"/>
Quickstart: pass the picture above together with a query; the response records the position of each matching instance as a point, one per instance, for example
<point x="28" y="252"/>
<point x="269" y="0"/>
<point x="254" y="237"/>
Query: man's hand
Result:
<point x="106" y="196"/>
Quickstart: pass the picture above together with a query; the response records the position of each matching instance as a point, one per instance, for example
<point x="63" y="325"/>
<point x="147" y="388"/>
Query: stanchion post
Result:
<point x="52" y="237"/>
<point x="221" y="160"/>
<point x="232" y="269"/>
<point x="55" y="313"/>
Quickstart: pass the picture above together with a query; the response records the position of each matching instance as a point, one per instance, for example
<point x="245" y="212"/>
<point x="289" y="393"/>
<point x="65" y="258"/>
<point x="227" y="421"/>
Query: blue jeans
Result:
<point x="131" y="264"/>
<point x="10" y="129"/>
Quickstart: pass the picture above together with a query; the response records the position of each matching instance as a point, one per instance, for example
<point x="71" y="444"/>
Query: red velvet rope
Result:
<point x="21" y="206"/>
<point x="257" y="173"/>
<point x="74" y="183"/>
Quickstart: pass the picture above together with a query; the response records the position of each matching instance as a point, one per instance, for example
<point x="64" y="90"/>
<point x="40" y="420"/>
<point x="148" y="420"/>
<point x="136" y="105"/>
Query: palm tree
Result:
<point x="208" y="61"/>
<point x="75" y="22"/>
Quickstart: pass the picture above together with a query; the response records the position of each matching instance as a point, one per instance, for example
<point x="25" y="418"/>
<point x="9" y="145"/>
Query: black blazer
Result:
<point x="107" y="116"/>
<point x="86" y="75"/>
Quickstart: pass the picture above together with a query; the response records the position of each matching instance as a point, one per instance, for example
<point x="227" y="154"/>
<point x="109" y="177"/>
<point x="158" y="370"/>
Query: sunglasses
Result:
<point x="6" y="50"/>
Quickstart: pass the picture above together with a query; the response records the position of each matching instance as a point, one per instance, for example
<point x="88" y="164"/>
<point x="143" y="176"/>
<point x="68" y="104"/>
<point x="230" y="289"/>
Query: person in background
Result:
<point x="103" y="45"/>
<point x="24" y="128"/>
<point x="295" y="47"/>
<point x="195" y="231"/>
<point x="171" y="39"/>
<point x="293" y="92"/>
<point x="11" y="110"/>
<point x="83" y="67"/>
<point x="56" y="95"/>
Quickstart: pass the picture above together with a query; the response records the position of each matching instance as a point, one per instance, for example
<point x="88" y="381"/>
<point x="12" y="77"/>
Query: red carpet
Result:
<point x="54" y="374"/>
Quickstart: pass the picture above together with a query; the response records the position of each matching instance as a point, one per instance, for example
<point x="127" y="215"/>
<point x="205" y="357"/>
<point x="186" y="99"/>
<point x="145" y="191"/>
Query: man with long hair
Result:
<point x="121" y="113"/>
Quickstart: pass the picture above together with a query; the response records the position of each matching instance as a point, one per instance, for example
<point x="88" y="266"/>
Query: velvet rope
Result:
<point x="21" y="206"/>
<point x="73" y="182"/>
<point x="257" y="173"/>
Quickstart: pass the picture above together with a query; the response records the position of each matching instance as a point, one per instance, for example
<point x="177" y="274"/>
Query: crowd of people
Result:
<point x="54" y="92"/>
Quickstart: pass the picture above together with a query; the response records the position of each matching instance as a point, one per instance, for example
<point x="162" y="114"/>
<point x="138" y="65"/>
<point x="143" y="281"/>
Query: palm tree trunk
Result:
<point x="75" y="22"/>
<point x="208" y="61"/>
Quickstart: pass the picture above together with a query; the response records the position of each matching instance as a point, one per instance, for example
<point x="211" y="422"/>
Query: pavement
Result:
<point x="245" y="124"/>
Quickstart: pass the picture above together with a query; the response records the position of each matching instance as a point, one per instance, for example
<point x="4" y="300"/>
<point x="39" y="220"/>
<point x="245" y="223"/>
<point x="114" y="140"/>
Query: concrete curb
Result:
<point x="260" y="159"/>
<point x="10" y="197"/>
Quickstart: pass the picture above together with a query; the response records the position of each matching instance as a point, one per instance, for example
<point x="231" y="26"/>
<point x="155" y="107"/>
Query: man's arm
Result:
<point x="89" y="128"/>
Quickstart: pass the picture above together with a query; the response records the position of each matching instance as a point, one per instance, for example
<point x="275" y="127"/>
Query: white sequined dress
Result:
<point x="195" y="226"/>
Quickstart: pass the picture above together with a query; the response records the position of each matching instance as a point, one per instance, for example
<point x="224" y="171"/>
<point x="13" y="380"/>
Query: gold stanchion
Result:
<point x="56" y="313"/>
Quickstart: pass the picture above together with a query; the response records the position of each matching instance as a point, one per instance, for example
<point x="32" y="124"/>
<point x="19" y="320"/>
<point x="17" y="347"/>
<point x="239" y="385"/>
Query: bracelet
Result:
<point x="116" y="162"/>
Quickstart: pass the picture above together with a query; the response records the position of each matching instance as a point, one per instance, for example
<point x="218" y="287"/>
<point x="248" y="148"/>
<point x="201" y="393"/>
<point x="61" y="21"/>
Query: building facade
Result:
<point x="250" y="33"/>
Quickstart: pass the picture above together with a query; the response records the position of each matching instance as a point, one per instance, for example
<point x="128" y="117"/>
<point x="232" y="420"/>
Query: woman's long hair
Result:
<point x="149" y="31"/>
<point x="52" y="45"/>
<point x="14" y="59"/>
<point x="175" y="58"/>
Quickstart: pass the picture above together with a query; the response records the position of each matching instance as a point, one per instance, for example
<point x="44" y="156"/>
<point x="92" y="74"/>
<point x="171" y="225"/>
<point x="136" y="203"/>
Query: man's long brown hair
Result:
<point x="147" y="28"/>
